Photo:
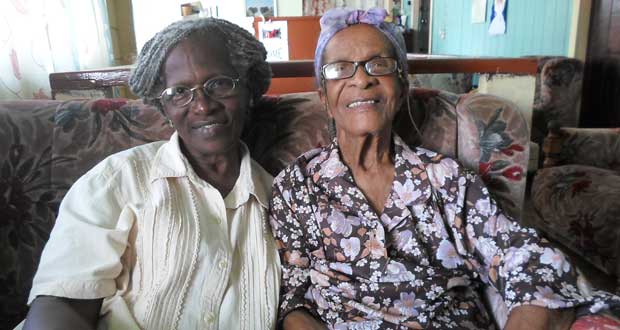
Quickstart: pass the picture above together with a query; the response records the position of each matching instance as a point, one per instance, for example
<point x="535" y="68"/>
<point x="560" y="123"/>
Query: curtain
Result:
<point x="39" y="37"/>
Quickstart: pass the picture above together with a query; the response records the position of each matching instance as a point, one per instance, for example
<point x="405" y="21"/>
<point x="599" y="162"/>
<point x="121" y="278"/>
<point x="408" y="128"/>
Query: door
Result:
<point x="600" y="105"/>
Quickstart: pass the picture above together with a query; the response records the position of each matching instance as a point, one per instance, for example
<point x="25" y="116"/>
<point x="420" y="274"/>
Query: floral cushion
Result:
<point x="598" y="147"/>
<point x="491" y="140"/>
<point x="578" y="206"/>
<point x="558" y="87"/>
<point x="596" y="322"/>
<point x="28" y="199"/>
<point x="46" y="146"/>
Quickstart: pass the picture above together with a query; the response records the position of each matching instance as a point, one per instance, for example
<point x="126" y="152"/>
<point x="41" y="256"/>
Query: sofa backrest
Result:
<point x="47" y="145"/>
<point x="558" y="90"/>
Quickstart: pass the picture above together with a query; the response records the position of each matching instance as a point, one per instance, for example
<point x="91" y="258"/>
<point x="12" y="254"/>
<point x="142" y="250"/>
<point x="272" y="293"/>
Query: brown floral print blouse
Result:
<point x="421" y="263"/>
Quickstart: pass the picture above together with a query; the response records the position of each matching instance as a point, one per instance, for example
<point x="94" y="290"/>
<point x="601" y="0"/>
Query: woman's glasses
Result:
<point x="378" y="66"/>
<point x="218" y="87"/>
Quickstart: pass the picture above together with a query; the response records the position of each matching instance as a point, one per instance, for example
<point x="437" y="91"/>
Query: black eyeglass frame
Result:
<point x="235" y="82"/>
<point x="356" y="64"/>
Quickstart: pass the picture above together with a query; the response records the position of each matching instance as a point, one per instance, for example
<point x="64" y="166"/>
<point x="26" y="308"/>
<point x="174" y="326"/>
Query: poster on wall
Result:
<point x="264" y="8"/>
<point x="478" y="11"/>
<point x="498" y="17"/>
<point x="274" y="36"/>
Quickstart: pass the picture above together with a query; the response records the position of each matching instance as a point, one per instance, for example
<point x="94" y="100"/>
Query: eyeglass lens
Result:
<point x="378" y="66"/>
<point x="217" y="88"/>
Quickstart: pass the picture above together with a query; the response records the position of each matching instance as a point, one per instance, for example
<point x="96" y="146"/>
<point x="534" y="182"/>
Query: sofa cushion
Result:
<point x="85" y="132"/>
<point x="282" y="128"/>
<point x="558" y="88"/>
<point x="599" y="147"/>
<point x="491" y="141"/>
<point x="28" y="199"/>
<point x="575" y="209"/>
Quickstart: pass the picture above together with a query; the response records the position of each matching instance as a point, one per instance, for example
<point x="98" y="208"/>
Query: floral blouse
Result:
<point x="419" y="264"/>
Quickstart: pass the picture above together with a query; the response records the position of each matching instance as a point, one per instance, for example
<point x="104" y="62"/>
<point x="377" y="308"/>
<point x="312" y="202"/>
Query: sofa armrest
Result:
<point x="598" y="147"/>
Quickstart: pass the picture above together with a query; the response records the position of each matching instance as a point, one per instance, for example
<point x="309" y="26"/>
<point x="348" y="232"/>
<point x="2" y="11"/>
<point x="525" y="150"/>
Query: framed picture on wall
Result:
<point x="478" y="11"/>
<point x="265" y="8"/>
<point x="498" y="17"/>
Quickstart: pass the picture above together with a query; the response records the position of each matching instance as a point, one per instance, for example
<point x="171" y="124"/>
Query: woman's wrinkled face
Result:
<point x="207" y="125"/>
<point x="362" y="104"/>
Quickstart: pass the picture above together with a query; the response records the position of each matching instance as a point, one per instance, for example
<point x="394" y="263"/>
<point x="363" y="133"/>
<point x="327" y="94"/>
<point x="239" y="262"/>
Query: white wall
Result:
<point x="290" y="8"/>
<point x="150" y="16"/>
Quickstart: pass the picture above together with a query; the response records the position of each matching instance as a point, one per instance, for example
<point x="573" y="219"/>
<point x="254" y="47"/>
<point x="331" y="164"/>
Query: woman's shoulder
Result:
<point x="440" y="168"/>
<point x="302" y="167"/>
<point x="433" y="157"/>
<point x="132" y="160"/>
<point x="420" y="155"/>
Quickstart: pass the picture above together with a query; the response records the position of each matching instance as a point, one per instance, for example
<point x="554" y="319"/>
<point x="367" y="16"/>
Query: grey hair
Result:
<point x="247" y="57"/>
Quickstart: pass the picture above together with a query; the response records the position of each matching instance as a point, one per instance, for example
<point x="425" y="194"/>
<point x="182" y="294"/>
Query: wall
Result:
<point x="121" y="30"/>
<point x="290" y="8"/>
<point x="150" y="16"/>
<point x="580" y="23"/>
<point x="534" y="27"/>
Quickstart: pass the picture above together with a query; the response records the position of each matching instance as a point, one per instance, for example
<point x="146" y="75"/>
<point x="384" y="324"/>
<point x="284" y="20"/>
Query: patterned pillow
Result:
<point x="578" y="206"/>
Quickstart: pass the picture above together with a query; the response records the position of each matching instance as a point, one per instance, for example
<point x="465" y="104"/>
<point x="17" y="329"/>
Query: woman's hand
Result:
<point x="539" y="318"/>
<point x="300" y="319"/>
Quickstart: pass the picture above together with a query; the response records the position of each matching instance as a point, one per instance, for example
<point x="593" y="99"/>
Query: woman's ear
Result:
<point x="404" y="88"/>
<point x="323" y="98"/>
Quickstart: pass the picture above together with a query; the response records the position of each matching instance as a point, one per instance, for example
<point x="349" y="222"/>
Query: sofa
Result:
<point x="576" y="195"/>
<point x="47" y="145"/>
<point x="556" y="97"/>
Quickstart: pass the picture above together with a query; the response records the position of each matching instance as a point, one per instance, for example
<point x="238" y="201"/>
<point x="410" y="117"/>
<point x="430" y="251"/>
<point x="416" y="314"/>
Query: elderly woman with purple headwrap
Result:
<point x="374" y="234"/>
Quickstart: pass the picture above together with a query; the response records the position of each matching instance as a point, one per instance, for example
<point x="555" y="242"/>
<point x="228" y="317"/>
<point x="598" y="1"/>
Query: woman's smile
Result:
<point x="363" y="104"/>
<point x="210" y="128"/>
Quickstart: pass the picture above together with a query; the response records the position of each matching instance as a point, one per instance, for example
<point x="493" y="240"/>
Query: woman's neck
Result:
<point x="220" y="170"/>
<point x="370" y="159"/>
<point x="366" y="152"/>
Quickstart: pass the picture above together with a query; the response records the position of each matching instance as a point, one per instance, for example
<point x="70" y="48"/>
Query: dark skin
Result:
<point x="364" y="138"/>
<point x="48" y="312"/>
<point x="364" y="130"/>
<point x="209" y="130"/>
<point x="212" y="150"/>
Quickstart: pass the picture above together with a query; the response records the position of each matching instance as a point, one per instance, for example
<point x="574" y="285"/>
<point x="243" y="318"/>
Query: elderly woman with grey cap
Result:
<point x="172" y="234"/>
<point x="376" y="235"/>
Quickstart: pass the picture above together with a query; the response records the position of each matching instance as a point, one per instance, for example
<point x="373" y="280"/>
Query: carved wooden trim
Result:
<point x="119" y="76"/>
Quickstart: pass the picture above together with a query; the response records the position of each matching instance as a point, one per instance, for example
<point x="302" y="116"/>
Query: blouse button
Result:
<point x="209" y="317"/>
<point x="222" y="264"/>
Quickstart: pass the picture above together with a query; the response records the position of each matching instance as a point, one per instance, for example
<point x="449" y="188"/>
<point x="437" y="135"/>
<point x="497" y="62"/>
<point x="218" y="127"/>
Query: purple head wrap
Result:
<point x="338" y="19"/>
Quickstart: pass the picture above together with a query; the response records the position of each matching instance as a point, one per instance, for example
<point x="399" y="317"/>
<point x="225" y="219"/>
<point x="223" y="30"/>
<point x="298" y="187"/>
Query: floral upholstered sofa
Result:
<point x="556" y="98"/>
<point x="577" y="194"/>
<point x="47" y="145"/>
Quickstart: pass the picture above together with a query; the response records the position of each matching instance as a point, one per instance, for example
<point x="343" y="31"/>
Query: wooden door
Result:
<point x="600" y="105"/>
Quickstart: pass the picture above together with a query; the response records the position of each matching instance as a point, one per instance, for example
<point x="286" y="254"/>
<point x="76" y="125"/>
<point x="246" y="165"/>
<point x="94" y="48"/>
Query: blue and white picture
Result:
<point x="265" y="8"/>
<point x="498" y="17"/>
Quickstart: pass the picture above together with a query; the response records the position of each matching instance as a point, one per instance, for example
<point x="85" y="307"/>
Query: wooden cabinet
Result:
<point x="303" y="33"/>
